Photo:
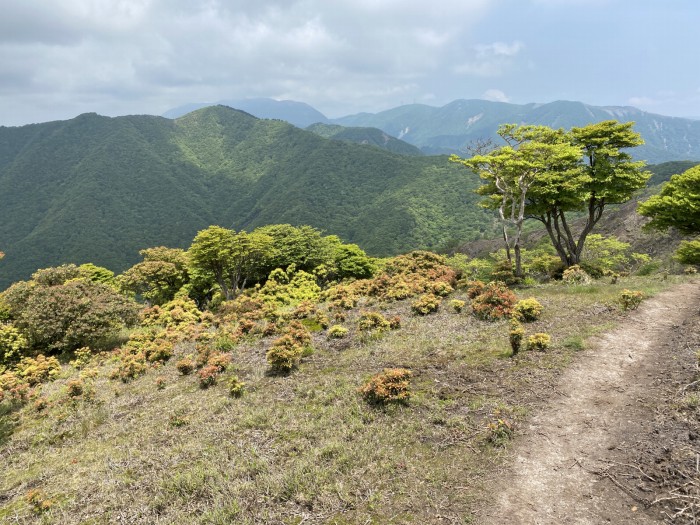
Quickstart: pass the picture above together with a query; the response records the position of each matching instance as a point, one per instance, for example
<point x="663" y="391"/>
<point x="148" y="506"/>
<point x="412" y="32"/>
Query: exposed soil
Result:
<point x="619" y="440"/>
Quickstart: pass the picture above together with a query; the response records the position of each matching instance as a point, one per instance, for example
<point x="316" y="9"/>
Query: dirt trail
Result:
<point x="569" y="461"/>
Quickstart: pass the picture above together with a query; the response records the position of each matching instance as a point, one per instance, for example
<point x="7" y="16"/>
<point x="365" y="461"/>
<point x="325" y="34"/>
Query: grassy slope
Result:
<point x="302" y="448"/>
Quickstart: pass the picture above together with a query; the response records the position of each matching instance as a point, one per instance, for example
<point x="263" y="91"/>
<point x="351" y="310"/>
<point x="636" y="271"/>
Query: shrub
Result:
<point x="38" y="370"/>
<point x="236" y="387"/>
<point x="13" y="345"/>
<point x="499" y="431"/>
<point x="395" y="322"/>
<point x="575" y="275"/>
<point x="13" y="388"/>
<point x="38" y="501"/>
<point x="185" y="366"/>
<point x="426" y="304"/>
<point x="515" y="335"/>
<point x="75" y="388"/>
<point x="160" y="382"/>
<point x="372" y="321"/>
<point x="441" y="289"/>
<point x="337" y="332"/>
<point x="71" y="315"/>
<point x="130" y="366"/>
<point x="284" y="354"/>
<point x="495" y="302"/>
<point x="390" y="386"/>
<point x="688" y="252"/>
<point x="207" y="376"/>
<point x="475" y="288"/>
<point x="219" y="361"/>
<point x="539" y="341"/>
<point x="629" y="299"/>
<point x="81" y="357"/>
<point x="503" y="272"/>
<point x="527" y="310"/>
<point x="457" y="305"/>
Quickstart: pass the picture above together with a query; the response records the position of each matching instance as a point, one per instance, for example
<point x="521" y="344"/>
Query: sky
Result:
<point x="61" y="58"/>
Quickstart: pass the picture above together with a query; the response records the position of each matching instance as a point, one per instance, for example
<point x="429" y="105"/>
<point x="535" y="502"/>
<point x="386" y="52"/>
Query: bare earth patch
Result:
<point x="616" y="442"/>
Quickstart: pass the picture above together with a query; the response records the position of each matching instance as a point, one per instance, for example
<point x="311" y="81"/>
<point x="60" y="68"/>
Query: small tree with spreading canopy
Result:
<point x="231" y="258"/>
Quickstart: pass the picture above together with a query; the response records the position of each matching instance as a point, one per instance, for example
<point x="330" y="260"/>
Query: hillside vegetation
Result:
<point x="97" y="189"/>
<point x="354" y="402"/>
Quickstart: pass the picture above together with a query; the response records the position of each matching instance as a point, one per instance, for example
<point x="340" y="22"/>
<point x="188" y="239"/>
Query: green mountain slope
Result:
<point x="449" y="129"/>
<point x="98" y="189"/>
<point x="367" y="136"/>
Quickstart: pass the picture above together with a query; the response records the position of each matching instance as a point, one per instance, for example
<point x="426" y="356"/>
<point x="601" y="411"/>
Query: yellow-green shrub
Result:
<point x="630" y="299"/>
<point x="539" y="341"/>
<point x="337" y="332"/>
<point x="38" y="370"/>
<point x="426" y="304"/>
<point x="528" y="310"/>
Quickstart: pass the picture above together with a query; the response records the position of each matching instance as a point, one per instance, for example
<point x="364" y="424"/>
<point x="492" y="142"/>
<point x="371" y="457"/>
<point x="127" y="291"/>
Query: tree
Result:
<point x="161" y="274"/>
<point x="232" y="259"/>
<point x="546" y="174"/>
<point x="677" y="205"/>
<point x="302" y="246"/>
<point x="605" y="175"/>
<point x="530" y="154"/>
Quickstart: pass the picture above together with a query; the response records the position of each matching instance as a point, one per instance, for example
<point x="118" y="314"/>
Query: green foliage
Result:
<point x="515" y="335"/>
<point x="630" y="299"/>
<point x="67" y="316"/>
<point x="96" y="274"/>
<point x="503" y="272"/>
<point x="393" y="385"/>
<point x="372" y="321"/>
<point x="161" y="274"/>
<point x="457" y="305"/>
<point x="178" y="314"/>
<point x="532" y="154"/>
<point x="688" y="252"/>
<point x="289" y="288"/>
<point x="607" y="255"/>
<point x="13" y="345"/>
<point x="426" y="304"/>
<point x="678" y="204"/>
<point x="495" y="302"/>
<point x="38" y="370"/>
<point x="527" y="310"/>
<point x="337" y="332"/>
<point x="236" y="387"/>
<point x="232" y="259"/>
<point x="539" y="341"/>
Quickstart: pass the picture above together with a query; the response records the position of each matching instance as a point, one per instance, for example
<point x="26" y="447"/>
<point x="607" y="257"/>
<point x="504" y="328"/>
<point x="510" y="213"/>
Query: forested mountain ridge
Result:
<point x="98" y="189"/>
<point x="450" y="128"/>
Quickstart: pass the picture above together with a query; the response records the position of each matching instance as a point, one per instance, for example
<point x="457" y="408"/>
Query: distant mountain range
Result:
<point x="98" y="189"/>
<point x="450" y="128"/>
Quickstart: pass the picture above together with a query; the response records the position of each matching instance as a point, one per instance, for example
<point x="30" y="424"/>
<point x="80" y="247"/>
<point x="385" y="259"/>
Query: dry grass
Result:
<point x="303" y="448"/>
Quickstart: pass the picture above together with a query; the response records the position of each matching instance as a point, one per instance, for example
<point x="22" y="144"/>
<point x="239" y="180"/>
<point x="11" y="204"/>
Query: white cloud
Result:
<point x="495" y="95"/>
<point x="490" y="60"/>
<point x="150" y="55"/>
